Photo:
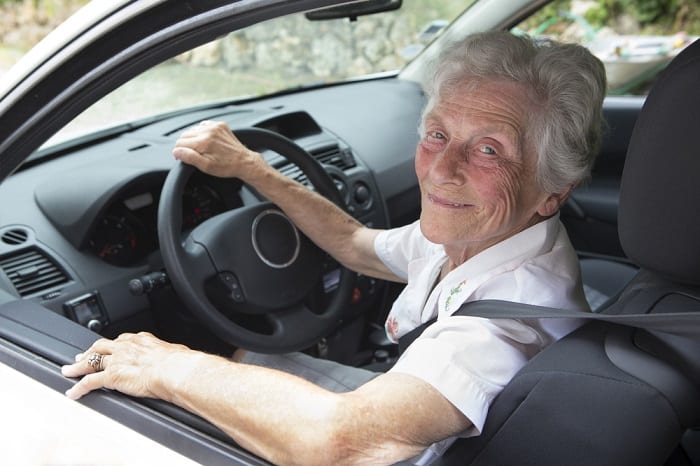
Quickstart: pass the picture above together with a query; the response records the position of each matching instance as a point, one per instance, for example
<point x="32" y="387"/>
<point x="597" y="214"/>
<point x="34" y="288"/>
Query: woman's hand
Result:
<point x="212" y="147"/>
<point x="136" y="364"/>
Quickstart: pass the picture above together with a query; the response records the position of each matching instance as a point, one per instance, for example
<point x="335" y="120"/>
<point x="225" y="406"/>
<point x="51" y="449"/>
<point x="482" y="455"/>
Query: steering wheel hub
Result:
<point x="275" y="239"/>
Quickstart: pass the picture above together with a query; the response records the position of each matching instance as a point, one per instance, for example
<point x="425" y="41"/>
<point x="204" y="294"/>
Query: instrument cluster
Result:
<point x="126" y="233"/>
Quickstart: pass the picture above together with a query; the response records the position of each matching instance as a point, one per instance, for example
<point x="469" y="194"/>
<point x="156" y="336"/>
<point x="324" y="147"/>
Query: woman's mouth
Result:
<point x="446" y="202"/>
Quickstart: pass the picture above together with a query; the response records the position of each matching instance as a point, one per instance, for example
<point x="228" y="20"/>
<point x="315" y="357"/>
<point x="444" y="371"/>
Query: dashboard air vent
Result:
<point x="334" y="156"/>
<point x="329" y="156"/>
<point x="15" y="236"/>
<point x="294" y="172"/>
<point x="31" y="272"/>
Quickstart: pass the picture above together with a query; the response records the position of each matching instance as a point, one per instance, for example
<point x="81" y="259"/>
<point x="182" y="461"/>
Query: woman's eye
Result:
<point x="488" y="150"/>
<point x="436" y="135"/>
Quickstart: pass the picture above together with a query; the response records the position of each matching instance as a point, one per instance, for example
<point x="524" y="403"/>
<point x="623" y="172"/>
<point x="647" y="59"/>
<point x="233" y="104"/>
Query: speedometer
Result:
<point x="199" y="203"/>
<point x="114" y="240"/>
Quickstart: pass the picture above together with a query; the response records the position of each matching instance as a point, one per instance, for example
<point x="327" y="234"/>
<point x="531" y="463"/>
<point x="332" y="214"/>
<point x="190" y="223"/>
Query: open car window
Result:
<point x="635" y="40"/>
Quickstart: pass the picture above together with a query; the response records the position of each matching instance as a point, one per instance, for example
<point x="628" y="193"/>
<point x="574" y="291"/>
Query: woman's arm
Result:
<point x="213" y="149"/>
<point x="280" y="417"/>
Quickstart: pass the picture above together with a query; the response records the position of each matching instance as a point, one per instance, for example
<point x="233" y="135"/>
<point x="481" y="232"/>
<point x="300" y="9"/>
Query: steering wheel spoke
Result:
<point x="287" y="326"/>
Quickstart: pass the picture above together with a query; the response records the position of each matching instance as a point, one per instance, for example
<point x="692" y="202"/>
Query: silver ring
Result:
<point x="96" y="361"/>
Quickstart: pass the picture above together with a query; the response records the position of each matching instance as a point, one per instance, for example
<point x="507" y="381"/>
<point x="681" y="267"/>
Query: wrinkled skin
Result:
<point x="476" y="170"/>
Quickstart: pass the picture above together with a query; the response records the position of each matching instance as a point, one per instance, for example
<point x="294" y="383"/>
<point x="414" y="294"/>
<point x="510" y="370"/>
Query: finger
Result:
<point x="126" y="337"/>
<point x="74" y="370"/>
<point x="192" y="132"/>
<point x="77" y="369"/>
<point x="102" y="346"/>
<point x="82" y="366"/>
<point x="203" y="127"/>
<point x="186" y="154"/>
<point x="198" y="140"/>
<point x="86" y="385"/>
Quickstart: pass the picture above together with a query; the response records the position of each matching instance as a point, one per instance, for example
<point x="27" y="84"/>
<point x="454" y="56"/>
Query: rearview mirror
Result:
<point x="354" y="9"/>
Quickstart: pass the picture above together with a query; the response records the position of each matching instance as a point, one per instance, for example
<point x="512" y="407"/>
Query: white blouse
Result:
<point x="469" y="359"/>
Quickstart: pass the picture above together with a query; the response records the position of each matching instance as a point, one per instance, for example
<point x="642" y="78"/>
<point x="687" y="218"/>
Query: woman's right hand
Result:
<point x="212" y="147"/>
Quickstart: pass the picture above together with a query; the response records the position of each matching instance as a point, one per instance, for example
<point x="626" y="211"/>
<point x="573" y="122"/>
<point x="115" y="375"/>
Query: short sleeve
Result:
<point x="397" y="247"/>
<point x="469" y="360"/>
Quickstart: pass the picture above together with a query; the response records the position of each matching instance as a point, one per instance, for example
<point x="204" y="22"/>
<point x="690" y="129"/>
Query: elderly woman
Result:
<point x="509" y="129"/>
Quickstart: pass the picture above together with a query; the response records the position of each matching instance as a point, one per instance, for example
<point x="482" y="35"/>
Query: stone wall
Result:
<point x="338" y="48"/>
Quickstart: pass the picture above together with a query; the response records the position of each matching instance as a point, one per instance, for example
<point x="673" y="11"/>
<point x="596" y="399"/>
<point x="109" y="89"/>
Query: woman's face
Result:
<point x="476" y="171"/>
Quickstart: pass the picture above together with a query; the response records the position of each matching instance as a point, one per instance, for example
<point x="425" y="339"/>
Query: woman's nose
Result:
<point x="449" y="166"/>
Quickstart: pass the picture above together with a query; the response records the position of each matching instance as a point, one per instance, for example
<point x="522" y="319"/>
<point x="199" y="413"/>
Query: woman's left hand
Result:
<point x="136" y="364"/>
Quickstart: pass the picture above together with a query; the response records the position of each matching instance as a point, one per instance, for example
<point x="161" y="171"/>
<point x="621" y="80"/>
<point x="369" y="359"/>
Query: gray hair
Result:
<point x="565" y="81"/>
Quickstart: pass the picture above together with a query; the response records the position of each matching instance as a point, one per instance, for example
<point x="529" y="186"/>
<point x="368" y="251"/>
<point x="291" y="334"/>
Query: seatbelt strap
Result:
<point x="685" y="324"/>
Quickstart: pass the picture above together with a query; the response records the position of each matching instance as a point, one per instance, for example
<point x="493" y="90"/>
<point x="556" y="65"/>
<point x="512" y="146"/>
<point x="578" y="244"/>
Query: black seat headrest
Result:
<point x="659" y="211"/>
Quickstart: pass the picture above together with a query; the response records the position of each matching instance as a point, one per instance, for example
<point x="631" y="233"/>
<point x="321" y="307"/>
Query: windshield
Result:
<point x="272" y="56"/>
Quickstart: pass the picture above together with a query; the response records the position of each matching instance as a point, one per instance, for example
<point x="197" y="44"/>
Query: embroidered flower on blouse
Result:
<point x="453" y="292"/>
<point x="392" y="325"/>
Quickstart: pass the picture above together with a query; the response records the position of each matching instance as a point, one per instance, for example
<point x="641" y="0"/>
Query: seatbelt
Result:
<point x="685" y="324"/>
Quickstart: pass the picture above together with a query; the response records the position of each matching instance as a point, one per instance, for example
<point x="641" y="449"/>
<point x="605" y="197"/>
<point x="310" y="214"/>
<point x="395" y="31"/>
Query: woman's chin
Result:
<point x="439" y="232"/>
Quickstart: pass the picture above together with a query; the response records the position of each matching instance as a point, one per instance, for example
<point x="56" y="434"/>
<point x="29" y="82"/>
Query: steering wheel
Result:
<point x="251" y="264"/>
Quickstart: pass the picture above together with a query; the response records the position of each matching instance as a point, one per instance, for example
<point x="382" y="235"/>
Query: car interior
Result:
<point x="104" y="237"/>
<point x="590" y="373"/>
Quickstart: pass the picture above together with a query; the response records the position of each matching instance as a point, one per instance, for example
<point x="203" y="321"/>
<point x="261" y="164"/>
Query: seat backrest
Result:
<point x="607" y="394"/>
<point x="658" y="219"/>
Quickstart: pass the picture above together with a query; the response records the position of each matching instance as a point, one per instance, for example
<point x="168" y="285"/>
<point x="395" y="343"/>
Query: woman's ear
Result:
<point x="553" y="202"/>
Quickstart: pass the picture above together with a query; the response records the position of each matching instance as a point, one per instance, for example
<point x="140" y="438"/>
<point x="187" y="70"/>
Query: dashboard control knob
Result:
<point x="361" y="194"/>
<point x="94" y="325"/>
<point x="136" y="287"/>
<point x="148" y="283"/>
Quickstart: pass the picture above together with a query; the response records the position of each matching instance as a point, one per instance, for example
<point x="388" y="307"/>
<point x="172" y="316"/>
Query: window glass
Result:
<point x="276" y="55"/>
<point x="635" y="39"/>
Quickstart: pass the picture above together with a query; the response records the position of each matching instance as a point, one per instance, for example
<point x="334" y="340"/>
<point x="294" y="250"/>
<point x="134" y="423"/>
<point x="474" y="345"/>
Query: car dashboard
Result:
<point x="78" y="231"/>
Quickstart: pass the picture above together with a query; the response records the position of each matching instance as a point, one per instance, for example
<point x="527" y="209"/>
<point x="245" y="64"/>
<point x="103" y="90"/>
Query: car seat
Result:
<point x="609" y="394"/>
<point x="604" y="279"/>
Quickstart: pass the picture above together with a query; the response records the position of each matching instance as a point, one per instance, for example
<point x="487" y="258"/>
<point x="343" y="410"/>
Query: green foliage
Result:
<point x="644" y="11"/>
<point x="546" y="16"/>
<point x="442" y="9"/>
<point x="648" y="11"/>
<point x="597" y="16"/>
<point x="653" y="16"/>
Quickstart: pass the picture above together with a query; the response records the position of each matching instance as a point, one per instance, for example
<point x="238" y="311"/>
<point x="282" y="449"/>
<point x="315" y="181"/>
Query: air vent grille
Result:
<point x="15" y="236"/>
<point x="334" y="156"/>
<point x="329" y="156"/>
<point x="32" y="272"/>
<point x="294" y="172"/>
